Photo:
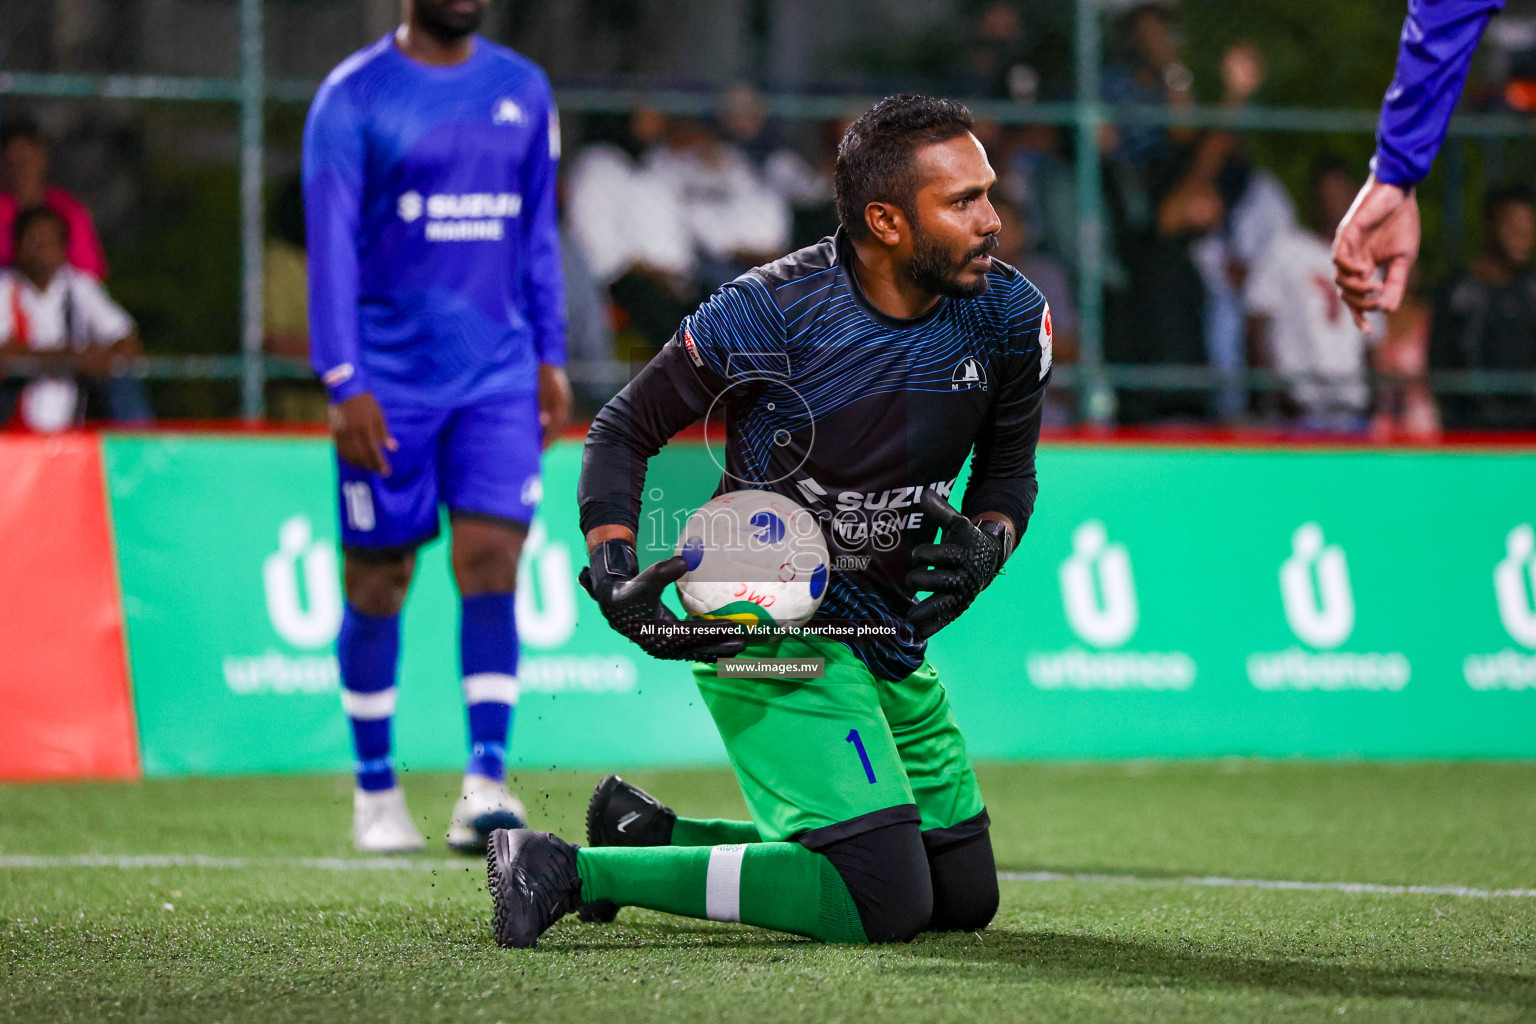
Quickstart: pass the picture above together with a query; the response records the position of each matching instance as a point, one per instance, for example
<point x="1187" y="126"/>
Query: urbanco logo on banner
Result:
<point x="1514" y="591"/>
<point x="546" y="621"/>
<point x="1319" y="604"/>
<point x="1098" y="594"/>
<point x="302" y="587"/>
<point x="303" y="603"/>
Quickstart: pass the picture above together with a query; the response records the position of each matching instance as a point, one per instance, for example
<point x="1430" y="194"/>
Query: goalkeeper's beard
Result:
<point x="934" y="269"/>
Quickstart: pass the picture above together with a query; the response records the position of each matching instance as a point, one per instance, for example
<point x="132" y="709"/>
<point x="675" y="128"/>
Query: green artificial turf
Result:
<point x="279" y="942"/>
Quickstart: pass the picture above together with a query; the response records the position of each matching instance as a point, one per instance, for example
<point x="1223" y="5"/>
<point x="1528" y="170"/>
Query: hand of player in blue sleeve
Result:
<point x="966" y="561"/>
<point x="554" y="402"/>
<point x="631" y="599"/>
<point x="362" y="433"/>
<point x="1380" y="231"/>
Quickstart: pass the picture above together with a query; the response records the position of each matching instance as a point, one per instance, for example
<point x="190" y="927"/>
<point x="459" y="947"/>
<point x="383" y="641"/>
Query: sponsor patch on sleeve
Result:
<point x="1045" y="343"/>
<point x="693" y="349"/>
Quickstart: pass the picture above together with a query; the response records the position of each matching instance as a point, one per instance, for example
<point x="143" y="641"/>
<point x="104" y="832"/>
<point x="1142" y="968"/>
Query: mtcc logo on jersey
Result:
<point x="969" y="373"/>
<point x="1314" y="587"/>
<point x="1319" y="606"/>
<point x="1514" y="592"/>
<point x="1098" y="594"/>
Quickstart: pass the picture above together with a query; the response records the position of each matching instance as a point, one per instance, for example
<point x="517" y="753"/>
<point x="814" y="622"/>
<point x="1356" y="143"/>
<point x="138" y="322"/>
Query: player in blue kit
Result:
<point x="1381" y="230"/>
<point x="437" y="324"/>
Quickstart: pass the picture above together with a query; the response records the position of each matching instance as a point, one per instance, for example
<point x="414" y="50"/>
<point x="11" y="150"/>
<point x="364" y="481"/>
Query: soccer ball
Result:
<point x="754" y="557"/>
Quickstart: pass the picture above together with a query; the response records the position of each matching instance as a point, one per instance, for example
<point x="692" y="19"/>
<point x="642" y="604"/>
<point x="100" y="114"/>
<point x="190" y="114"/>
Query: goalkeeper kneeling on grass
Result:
<point x="856" y="375"/>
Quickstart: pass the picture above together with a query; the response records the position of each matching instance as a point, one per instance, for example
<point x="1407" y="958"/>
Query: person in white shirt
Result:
<point x="1299" y="326"/>
<point x="632" y="228"/>
<point x="735" y="219"/>
<point x="57" y="326"/>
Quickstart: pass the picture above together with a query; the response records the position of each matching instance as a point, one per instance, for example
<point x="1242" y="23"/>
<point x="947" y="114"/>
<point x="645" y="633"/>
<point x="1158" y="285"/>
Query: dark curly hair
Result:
<point x="874" y="160"/>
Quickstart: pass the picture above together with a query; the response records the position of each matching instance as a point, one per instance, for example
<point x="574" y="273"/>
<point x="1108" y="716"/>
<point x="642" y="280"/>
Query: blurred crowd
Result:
<point x="1211" y="264"/>
<point x="66" y="348"/>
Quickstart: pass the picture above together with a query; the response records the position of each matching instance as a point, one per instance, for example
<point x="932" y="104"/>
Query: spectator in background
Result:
<point x="735" y="220"/>
<point x="1147" y="70"/>
<point x="995" y="64"/>
<point x="24" y="161"/>
<point x="1042" y="184"/>
<point x="1161" y="320"/>
<point x="591" y="361"/>
<point x="59" y="324"/>
<point x="630" y="223"/>
<point x="1015" y="247"/>
<point x="1257" y="208"/>
<point x="744" y="123"/>
<point x="1299" y="326"/>
<point x="1485" y="318"/>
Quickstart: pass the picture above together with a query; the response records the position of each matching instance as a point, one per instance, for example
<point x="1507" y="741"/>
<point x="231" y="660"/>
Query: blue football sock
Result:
<point x="488" y="653"/>
<point x="368" y="648"/>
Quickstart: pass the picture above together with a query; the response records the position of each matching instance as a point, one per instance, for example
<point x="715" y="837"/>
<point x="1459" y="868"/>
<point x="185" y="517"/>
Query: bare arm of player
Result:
<point x="613" y="531"/>
<point x="1380" y="231"/>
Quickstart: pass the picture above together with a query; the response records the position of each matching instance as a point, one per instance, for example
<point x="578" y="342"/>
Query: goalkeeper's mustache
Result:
<point x="986" y="248"/>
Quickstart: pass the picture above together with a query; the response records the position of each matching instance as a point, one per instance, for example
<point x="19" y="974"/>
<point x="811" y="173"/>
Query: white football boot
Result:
<point x="484" y="806"/>
<point x="381" y="823"/>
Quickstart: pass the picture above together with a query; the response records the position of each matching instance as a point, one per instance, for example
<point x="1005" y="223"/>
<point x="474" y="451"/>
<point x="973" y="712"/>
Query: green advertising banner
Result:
<point x="231" y="590"/>
<point x="1197" y="603"/>
<point x="1165" y="602"/>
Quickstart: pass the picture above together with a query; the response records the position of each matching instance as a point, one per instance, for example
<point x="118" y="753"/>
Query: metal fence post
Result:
<point x="1095" y="399"/>
<point x="252" y="137"/>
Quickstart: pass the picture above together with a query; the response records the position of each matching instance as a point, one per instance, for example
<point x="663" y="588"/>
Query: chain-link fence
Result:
<point x="1167" y="174"/>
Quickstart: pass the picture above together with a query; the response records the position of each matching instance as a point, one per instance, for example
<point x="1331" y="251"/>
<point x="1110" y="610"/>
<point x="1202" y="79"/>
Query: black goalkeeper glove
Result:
<point x="630" y="599"/>
<point x="968" y="559"/>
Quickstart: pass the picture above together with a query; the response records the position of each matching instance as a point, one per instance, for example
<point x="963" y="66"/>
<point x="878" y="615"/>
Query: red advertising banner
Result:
<point x="65" y="710"/>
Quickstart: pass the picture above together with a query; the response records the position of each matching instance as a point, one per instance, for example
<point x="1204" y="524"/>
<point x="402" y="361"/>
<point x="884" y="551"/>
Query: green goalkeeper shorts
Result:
<point x="820" y="760"/>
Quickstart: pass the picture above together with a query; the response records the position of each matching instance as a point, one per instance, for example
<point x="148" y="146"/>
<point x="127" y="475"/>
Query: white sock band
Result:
<point x="490" y="688"/>
<point x="722" y="885"/>
<point x="368" y="707"/>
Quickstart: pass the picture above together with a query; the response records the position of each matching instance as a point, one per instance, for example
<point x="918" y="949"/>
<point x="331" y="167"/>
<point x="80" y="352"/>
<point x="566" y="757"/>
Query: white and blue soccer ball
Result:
<point x="754" y="557"/>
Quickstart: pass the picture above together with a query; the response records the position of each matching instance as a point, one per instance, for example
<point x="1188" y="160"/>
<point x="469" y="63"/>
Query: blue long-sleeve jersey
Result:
<point x="1438" y="39"/>
<point x="434" y="251"/>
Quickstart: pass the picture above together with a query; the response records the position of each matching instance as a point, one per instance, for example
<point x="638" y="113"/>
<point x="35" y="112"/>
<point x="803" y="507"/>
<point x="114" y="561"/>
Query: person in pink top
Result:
<point x="24" y="184"/>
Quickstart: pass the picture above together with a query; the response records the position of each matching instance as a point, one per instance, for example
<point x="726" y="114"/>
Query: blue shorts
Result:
<point x="481" y="461"/>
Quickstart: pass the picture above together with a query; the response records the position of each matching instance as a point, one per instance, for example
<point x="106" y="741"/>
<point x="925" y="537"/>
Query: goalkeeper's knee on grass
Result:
<point x="964" y="874"/>
<point x="886" y="872"/>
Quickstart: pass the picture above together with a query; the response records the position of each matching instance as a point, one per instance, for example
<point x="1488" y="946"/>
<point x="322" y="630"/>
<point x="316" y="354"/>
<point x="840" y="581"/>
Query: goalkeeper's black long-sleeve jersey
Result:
<point x="852" y="413"/>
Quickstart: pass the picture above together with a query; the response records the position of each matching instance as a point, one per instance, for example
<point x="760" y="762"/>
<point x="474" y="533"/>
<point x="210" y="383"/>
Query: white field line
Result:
<point x="424" y="864"/>
<point x="180" y="860"/>
<point x="1219" y="882"/>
